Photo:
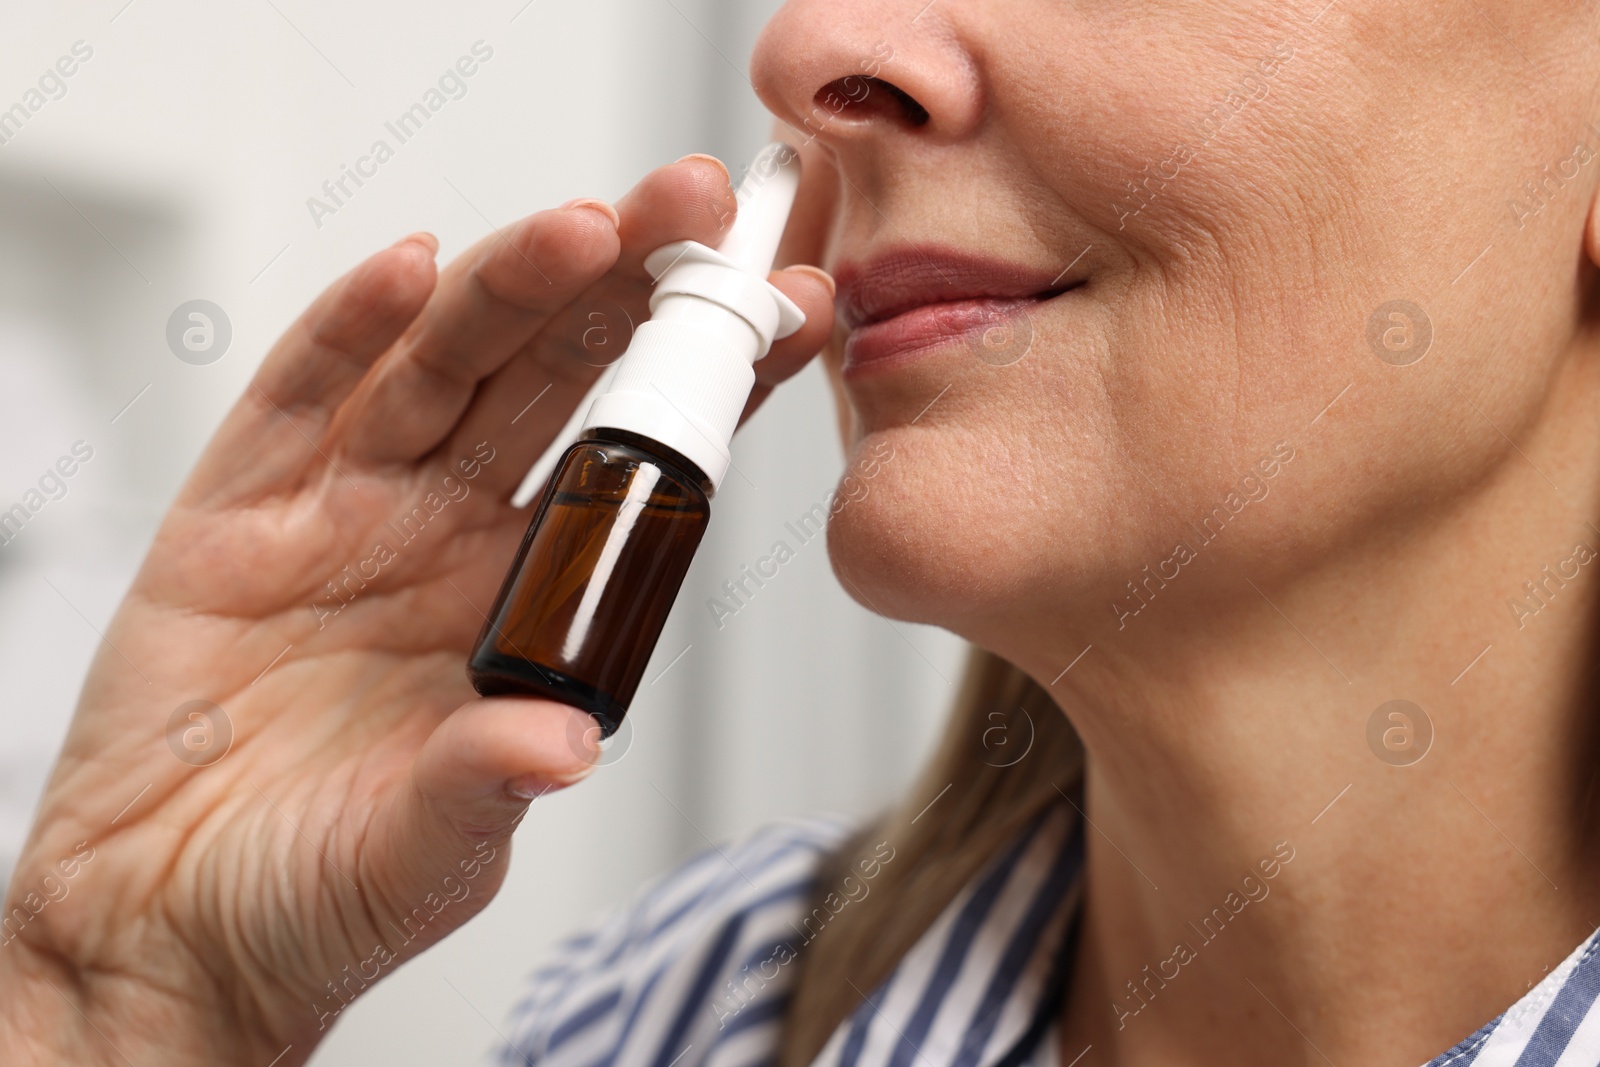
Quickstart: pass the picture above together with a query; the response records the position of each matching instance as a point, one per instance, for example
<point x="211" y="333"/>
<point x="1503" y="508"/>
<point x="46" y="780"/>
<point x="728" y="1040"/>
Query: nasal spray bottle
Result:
<point x="626" y="505"/>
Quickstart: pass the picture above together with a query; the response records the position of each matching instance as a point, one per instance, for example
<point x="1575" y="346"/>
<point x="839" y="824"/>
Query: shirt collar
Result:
<point x="968" y="990"/>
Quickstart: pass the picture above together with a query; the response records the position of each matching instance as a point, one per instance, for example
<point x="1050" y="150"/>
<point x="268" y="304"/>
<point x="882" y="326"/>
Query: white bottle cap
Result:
<point x="686" y="376"/>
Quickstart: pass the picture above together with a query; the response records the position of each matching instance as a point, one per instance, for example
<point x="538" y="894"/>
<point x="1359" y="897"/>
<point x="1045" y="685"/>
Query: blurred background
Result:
<point x="174" y="164"/>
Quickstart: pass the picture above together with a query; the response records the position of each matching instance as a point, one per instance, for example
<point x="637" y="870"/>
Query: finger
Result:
<point x="688" y="200"/>
<point x="484" y="764"/>
<point x="487" y="304"/>
<point x="691" y="200"/>
<point x="272" y="434"/>
<point x="518" y="413"/>
<point x="524" y="385"/>
<point x="321" y="358"/>
<point x="813" y="290"/>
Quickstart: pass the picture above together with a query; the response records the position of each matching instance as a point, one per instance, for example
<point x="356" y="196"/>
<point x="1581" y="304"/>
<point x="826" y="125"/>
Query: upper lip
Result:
<point x="911" y="276"/>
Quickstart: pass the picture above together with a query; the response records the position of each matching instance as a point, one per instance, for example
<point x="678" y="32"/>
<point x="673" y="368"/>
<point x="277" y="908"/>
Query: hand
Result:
<point x="320" y="579"/>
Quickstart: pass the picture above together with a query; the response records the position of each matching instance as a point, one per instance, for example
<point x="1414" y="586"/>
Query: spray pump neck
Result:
<point x="687" y="373"/>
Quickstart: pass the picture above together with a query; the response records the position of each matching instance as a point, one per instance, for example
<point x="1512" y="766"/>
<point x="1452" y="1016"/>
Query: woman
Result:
<point x="1240" y="367"/>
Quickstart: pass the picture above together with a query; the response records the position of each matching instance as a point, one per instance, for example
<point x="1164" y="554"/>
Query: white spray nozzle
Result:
<point x="765" y="197"/>
<point x="687" y="373"/>
<point x="688" y="268"/>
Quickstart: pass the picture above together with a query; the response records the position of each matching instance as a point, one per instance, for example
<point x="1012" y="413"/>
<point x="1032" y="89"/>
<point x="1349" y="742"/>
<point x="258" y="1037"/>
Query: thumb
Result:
<point x="470" y="786"/>
<point x="485" y="763"/>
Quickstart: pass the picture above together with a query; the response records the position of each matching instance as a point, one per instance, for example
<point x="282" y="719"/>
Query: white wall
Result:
<point x="177" y="166"/>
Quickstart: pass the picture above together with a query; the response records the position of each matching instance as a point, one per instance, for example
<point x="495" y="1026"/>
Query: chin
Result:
<point x="928" y="533"/>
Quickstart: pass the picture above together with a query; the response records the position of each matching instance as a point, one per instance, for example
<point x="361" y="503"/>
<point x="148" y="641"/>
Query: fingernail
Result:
<point x="818" y="273"/>
<point x="701" y="156"/>
<point x="595" y="205"/>
<point x="531" y="787"/>
<point x="528" y="788"/>
<point x="421" y="237"/>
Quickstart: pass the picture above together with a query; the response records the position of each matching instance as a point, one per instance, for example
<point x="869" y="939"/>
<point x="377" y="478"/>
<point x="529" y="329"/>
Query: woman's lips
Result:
<point x="974" y="321"/>
<point x="913" y="300"/>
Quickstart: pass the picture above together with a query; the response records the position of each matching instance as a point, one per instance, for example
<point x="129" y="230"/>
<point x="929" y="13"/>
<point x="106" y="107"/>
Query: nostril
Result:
<point x="860" y="99"/>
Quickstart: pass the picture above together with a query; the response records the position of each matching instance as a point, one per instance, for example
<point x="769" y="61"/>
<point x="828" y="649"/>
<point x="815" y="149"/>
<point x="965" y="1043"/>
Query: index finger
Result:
<point x="485" y="315"/>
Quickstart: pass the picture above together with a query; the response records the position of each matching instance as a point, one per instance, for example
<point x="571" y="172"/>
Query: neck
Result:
<point x="1275" y="877"/>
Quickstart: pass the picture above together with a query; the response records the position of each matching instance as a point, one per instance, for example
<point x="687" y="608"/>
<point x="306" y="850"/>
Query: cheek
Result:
<point x="1232" y="314"/>
<point x="1032" y="484"/>
<point x="1146" y="116"/>
<point x="896" y="552"/>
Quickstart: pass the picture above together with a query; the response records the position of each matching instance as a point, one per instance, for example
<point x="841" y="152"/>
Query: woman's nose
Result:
<point x="847" y="70"/>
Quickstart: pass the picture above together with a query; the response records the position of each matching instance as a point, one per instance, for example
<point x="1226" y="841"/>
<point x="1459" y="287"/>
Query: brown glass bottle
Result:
<point x="599" y="568"/>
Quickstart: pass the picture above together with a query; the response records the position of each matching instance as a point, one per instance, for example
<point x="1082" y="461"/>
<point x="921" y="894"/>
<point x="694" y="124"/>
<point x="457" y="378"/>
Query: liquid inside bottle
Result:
<point x="599" y="568"/>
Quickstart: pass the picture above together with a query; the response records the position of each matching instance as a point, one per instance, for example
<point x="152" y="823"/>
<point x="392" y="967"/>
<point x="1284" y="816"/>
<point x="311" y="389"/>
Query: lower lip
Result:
<point x="927" y="329"/>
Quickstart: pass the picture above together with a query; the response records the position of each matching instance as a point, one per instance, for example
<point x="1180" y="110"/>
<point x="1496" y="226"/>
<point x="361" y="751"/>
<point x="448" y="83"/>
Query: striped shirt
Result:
<point x="698" y="970"/>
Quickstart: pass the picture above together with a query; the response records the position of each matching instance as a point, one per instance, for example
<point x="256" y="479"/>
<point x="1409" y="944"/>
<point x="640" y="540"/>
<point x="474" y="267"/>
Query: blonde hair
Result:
<point x="1006" y="753"/>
